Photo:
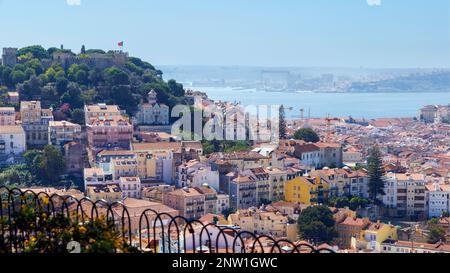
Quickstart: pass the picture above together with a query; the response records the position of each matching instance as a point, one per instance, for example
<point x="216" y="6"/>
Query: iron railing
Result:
<point x="22" y="215"/>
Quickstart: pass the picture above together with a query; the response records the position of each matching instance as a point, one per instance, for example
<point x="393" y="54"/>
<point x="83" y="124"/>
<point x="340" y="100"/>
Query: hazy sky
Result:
<point x="347" y="33"/>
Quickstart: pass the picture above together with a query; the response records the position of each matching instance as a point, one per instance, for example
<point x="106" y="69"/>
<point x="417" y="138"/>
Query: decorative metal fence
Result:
<point x="40" y="222"/>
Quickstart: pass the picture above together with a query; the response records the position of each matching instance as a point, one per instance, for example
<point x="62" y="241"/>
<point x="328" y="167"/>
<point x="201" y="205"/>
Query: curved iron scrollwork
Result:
<point x="147" y="232"/>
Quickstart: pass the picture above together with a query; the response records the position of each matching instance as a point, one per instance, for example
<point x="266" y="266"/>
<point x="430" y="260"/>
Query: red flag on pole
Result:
<point x="120" y="44"/>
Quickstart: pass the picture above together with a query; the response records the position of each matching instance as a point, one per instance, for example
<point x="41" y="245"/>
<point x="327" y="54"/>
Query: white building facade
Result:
<point x="438" y="197"/>
<point x="12" y="140"/>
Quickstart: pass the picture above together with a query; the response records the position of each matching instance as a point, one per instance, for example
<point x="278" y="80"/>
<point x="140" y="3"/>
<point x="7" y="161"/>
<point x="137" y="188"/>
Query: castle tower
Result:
<point x="152" y="97"/>
<point x="9" y="56"/>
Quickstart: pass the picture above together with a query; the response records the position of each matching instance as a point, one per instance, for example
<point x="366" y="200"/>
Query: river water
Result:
<point x="357" y="105"/>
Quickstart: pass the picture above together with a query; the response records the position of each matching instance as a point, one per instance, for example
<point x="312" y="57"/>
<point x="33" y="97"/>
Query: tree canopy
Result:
<point x="316" y="224"/>
<point x="307" y="134"/>
<point x="376" y="174"/>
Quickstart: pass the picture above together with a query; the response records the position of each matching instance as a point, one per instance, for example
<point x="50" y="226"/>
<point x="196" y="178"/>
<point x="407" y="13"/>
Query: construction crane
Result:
<point x="329" y="132"/>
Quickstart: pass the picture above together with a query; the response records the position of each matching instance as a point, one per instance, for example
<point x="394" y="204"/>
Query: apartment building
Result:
<point x="223" y="203"/>
<point x="319" y="155"/>
<point x="95" y="177"/>
<point x="13" y="97"/>
<point x="195" y="174"/>
<point x="109" y="193"/>
<point x="345" y="181"/>
<point x="12" y="140"/>
<point x="407" y="194"/>
<point x="210" y="198"/>
<point x="187" y="201"/>
<point x="239" y="160"/>
<point x="7" y="116"/>
<point x="277" y="180"/>
<point x="123" y="168"/>
<point x="108" y="132"/>
<point x="307" y="190"/>
<point x="131" y="187"/>
<point x="243" y="192"/>
<point x="394" y="246"/>
<point x="260" y="221"/>
<point x="101" y="110"/>
<point x="438" y="199"/>
<point x="373" y="236"/>
<point x="35" y="122"/>
<point x="349" y="228"/>
<point x="63" y="132"/>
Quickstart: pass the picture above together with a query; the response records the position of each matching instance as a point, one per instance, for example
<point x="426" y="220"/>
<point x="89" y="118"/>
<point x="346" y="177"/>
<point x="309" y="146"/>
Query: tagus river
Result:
<point x="357" y="105"/>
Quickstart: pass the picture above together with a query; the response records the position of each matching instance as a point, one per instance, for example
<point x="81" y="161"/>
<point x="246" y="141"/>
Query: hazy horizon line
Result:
<point x="309" y="67"/>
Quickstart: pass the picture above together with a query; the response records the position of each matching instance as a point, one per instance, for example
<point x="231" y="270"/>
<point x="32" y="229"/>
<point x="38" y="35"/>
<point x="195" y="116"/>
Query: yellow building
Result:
<point x="307" y="190"/>
<point x="109" y="193"/>
<point x="374" y="236"/>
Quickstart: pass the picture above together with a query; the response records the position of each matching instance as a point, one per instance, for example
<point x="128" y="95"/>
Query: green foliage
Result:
<point x="116" y="76"/>
<point x="376" y="174"/>
<point x="93" y="51"/>
<point x="437" y="233"/>
<point x="30" y="88"/>
<point x="16" y="176"/>
<point x="77" y="116"/>
<point x="175" y="88"/>
<point x="227" y="146"/>
<point x="52" y="164"/>
<point x="6" y="76"/>
<point x="316" y="224"/>
<point x="35" y="65"/>
<point x="72" y="96"/>
<point x="352" y="203"/>
<point x="307" y="134"/>
<point x="48" y="165"/>
<point x="282" y="123"/>
<point x="18" y="76"/>
<point x="82" y="84"/>
<point x="37" y="51"/>
<point x="52" y="233"/>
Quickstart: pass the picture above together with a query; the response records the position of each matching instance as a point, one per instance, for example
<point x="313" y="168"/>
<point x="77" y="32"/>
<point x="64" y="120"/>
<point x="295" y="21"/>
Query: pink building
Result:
<point x="110" y="133"/>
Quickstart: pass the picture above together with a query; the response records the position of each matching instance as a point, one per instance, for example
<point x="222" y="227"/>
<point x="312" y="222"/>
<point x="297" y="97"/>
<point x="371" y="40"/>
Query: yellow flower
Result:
<point x="83" y="229"/>
<point x="91" y="241"/>
<point x="33" y="239"/>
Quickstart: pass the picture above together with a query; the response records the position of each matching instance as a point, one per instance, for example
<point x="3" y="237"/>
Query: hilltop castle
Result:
<point x="67" y="58"/>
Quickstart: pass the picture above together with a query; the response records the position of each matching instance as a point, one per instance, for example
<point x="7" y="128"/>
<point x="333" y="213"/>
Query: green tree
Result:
<point x="376" y="174"/>
<point x="358" y="202"/>
<point x="282" y="123"/>
<point x="78" y="116"/>
<point x="316" y="224"/>
<point x="437" y="233"/>
<point x="307" y="134"/>
<point x="116" y="76"/>
<point x="176" y="89"/>
<point x="51" y="165"/>
<point x="31" y="88"/>
<point x="6" y="77"/>
<point x="16" y="176"/>
<point x="36" y="65"/>
<point x="61" y="85"/>
<point x="81" y="77"/>
<point x="36" y="50"/>
<point x="17" y="76"/>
